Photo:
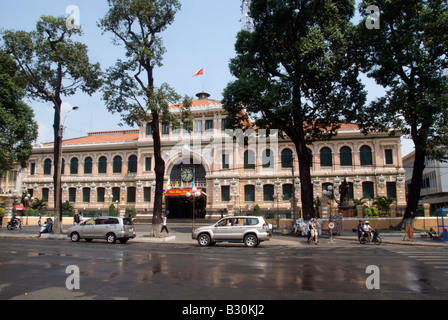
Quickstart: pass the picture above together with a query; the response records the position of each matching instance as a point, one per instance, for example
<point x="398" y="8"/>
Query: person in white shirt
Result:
<point x="164" y="227"/>
<point x="367" y="229"/>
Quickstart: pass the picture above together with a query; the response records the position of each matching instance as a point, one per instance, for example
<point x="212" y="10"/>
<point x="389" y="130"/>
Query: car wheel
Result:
<point x="75" y="237"/>
<point x="111" y="238"/>
<point x="204" y="240"/>
<point x="251" y="240"/>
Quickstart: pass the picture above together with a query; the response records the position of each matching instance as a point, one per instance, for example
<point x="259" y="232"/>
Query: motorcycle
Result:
<point x="47" y="227"/>
<point x="16" y="223"/>
<point x="373" y="236"/>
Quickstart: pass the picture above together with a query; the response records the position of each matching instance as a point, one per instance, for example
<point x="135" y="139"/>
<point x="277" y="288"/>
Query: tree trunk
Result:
<point x="57" y="166"/>
<point x="297" y="134"/>
<point x="160" y="173"/>
<point x="416" y="185"/>
<point x="306" y="186"/>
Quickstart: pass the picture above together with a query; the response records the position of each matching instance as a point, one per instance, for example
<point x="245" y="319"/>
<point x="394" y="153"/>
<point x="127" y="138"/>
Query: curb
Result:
<point x="387" y="240"/>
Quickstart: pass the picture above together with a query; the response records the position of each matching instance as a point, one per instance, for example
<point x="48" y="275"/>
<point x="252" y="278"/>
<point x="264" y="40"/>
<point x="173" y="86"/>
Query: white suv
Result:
<point x="108" y="228"/>
<point x="250" y="230"/>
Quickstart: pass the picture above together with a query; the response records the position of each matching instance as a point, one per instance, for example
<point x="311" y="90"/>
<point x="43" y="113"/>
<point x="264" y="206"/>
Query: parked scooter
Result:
<point x="47" y="227"/>
<point x="15" y="223"/>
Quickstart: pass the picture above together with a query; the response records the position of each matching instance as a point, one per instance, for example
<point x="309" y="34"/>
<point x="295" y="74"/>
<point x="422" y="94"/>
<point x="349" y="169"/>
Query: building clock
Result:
<point x="187" y="174"/>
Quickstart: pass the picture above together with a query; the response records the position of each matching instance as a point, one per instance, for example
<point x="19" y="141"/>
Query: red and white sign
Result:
<point x="179" y="192"/>
<point x="331" y="225"/>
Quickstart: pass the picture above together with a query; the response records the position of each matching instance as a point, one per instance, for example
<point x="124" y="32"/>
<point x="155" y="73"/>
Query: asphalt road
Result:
<point x="36" y="269"/>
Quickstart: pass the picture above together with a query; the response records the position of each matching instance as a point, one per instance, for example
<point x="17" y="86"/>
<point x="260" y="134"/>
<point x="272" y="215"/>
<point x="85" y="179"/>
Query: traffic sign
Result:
<point x="331" y="225"/>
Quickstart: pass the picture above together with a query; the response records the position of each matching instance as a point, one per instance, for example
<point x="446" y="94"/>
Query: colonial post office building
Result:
<point x="232" y="175"/>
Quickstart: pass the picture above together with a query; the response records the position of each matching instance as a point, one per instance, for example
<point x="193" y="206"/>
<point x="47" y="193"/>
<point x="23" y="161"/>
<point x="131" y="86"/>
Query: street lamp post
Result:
<point x="192" y="197"/>
<point x="278" y="197"/>
<point x="330" y="193"/>
<point x="57" y="173"/>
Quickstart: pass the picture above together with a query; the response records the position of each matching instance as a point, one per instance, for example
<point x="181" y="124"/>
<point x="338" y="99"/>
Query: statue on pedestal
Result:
<point x="345" y="202"/>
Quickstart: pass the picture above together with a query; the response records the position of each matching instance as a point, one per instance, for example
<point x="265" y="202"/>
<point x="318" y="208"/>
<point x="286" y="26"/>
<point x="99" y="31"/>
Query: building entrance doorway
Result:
<point x="183" y="177"/>
<point x="182" y="208"/>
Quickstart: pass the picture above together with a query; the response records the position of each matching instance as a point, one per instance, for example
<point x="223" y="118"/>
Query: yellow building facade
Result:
<point x="234" y="171"/>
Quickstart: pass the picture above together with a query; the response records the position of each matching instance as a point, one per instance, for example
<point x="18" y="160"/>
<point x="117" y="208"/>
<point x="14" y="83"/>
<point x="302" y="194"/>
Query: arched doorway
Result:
<point x="182" y="178"/>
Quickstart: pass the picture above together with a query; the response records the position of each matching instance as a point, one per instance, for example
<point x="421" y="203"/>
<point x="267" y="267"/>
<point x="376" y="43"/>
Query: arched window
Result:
<point x="346" y="156"/>
<point x="102" y="165"/>
<point x="326" y="159"/>
<point x="117" y="164"/>
<point x="268" y="192"/>
<point x="47" y="167"/>
<point x="287" y="158"/>
<point x="132" y="164"/>
<point x="366" y="156"/>
<point x="287" y="191"/>
<point x="88" y="165"/>
<point x="249" y="192"/>
<point x="115" y="194"/>
<point x="131" y="194"/>
<point x="249" y="159"/>
<point x="367" y="190"/>
<point x="268" y="159"/>
<point x="74" y="166"/>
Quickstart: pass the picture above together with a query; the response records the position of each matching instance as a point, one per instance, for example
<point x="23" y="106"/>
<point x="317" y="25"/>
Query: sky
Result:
<point x="202" y="36"/>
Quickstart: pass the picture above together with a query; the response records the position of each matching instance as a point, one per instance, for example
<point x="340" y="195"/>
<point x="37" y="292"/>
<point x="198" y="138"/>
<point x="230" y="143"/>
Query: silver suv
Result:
<point x="110" y="229"/>
<point x="250" y="230"/>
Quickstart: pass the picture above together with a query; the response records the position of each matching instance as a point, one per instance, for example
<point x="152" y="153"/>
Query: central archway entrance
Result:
<point x="183" y="177"/>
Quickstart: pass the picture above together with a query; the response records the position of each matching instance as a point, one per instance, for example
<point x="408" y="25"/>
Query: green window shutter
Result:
<point x="391" y="190"/>
<point x="346" y="156"/>
<point x="268" y="192"/>
<point x="147" y="194"/>
<point x="287" y="158"/>
<point x="326" y="159"/>
<point x="367" y="190"/>
<point x="117" y="165"/>
<point x="102" y="165"/>
<point x="249" y="193"/>
<point x="88" y="165"/>
<point x="100" y="192"/>
<point x="287" y="191"/>
<point x="366" y="156"/>
<point x="86" y="195"/>
<point x="225" y="193"/>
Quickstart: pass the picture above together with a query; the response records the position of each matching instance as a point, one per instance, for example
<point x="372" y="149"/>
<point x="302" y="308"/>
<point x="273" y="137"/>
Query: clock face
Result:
<point x="187" y="174"/>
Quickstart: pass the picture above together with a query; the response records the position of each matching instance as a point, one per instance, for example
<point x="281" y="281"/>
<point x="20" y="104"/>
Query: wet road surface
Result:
<point x="36" y="269"/>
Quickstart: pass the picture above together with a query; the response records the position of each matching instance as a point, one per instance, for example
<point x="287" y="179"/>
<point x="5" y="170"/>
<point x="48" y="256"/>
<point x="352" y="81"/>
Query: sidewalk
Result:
<point x="180" y="233"/>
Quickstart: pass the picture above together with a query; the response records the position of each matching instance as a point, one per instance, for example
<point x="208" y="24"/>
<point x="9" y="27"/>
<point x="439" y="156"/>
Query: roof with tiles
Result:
<point x="103" y="137"/>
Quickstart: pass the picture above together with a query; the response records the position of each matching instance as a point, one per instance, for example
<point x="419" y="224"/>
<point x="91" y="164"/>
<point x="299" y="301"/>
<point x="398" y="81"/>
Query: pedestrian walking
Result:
<point x="164" y="227"/>
<point x="313" y="231"/>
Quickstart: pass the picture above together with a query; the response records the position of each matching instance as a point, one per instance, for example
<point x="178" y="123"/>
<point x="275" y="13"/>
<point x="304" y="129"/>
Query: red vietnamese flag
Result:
<point x="200" y="72"/>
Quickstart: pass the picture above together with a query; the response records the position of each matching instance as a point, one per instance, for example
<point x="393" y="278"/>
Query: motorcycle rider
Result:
<point x="360" y="229"/>
<point x="15" y="222"/>
<point x="367" y="229"/>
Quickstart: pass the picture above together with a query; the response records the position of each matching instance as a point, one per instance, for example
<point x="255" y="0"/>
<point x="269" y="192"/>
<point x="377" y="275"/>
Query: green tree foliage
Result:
<point x="53" y="66"/>
<point x="130" y="86"/>
<point x="407" y="55"/>
<point x="294" y="73"/>
<point x="18" y="129"/>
